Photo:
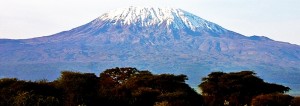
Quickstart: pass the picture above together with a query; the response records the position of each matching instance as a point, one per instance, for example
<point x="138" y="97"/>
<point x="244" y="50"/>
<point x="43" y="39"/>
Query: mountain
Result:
<point x="163" y="40"/>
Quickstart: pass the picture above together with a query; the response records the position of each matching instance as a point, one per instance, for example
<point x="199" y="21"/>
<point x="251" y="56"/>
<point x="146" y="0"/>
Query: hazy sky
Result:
<point x="276" y="19"/>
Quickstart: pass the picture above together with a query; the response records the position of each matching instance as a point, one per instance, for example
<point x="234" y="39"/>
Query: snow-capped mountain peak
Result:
<point x="147" y="16"/>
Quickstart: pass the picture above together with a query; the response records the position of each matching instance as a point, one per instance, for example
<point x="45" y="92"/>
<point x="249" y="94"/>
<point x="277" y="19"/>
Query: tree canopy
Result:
<point x="236" y="88"/>
<point x="131" y="87"/>
<point x="273" y="99"/>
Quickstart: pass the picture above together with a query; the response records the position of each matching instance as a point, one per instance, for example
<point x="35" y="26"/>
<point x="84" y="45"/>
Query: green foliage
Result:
<point x="237" y="88"/>
<point x="271" y="100"/>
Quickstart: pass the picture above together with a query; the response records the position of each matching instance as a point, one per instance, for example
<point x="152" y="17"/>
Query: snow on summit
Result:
<point x="146" y="16"/>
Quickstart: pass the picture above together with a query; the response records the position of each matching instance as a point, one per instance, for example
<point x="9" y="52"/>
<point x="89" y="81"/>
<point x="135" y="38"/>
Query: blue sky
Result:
<point x="276" y="19"/>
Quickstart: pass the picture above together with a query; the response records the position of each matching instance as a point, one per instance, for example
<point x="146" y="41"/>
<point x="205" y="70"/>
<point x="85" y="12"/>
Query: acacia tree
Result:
<point x="129" y="86"/>
<point x="79" y="88"/>
<point x="116" y="76"/>
<point x="238" y="88"/>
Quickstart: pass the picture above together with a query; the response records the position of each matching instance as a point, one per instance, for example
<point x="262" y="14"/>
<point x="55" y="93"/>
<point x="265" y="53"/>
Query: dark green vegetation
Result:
<point x="237" y="88"/>
<point x="132" y="87"/>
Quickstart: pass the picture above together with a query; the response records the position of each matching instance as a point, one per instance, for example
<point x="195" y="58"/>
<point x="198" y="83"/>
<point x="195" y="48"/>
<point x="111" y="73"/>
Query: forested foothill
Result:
<point x="132" y="87"/>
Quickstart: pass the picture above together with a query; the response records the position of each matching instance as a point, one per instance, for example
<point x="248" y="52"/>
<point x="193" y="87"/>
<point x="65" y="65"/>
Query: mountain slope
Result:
<point x="159" y="39"/>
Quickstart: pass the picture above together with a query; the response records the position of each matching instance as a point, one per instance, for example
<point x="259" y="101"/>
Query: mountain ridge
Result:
<point x="161" y="47"/>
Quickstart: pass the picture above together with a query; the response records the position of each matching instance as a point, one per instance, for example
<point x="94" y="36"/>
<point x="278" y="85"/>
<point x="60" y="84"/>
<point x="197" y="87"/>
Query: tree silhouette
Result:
<point x="131" y="87"/>
<point x="238" y="88"/>
<point x="79" y="88"/>
<point x="16" y="92"/>
<point x="116" y="76"/>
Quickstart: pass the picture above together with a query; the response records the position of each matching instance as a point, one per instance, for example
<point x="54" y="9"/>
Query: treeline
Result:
<point x="132" y="87"/>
